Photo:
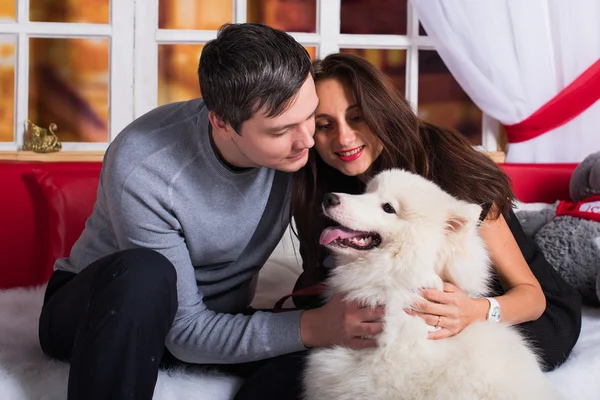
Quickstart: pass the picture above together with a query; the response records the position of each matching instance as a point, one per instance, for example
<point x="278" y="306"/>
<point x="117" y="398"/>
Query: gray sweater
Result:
<point x="162" y="187"/>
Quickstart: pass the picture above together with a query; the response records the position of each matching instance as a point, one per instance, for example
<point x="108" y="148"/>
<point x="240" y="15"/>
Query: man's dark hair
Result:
<point x="250" y="66"/>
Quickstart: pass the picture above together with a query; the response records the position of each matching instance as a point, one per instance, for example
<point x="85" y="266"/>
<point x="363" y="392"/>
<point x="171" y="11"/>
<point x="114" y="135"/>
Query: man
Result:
<point x="192" y="200"/>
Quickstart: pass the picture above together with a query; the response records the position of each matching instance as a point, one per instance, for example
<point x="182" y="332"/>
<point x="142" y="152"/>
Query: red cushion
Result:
<point x="69" y="197"/>
<point x="26" y="235"/>
<point x="540" y="183"/>
<point x="40" y="217"/>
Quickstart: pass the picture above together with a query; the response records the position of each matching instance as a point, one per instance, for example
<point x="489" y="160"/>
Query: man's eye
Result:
<point x="279" y="134"/>
<point x="322" y="127"/>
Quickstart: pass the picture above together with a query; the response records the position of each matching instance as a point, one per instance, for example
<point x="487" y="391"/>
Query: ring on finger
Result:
<point x="437" y="324"/>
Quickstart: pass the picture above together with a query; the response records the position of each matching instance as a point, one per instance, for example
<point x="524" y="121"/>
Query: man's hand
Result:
<point x="341" y="323"/>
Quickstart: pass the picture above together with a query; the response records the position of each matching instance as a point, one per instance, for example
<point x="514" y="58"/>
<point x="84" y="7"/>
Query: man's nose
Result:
<point x="305" y="138"/>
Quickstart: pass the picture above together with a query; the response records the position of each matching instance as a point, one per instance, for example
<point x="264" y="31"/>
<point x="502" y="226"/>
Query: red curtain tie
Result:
<point x="566" y="105"/>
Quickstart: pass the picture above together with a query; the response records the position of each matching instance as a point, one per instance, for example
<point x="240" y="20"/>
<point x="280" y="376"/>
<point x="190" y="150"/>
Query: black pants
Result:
<point x="110" y="322"/>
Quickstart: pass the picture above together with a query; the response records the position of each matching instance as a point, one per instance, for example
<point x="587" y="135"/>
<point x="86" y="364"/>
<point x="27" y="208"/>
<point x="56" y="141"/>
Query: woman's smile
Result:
<point x="350" y="155"/>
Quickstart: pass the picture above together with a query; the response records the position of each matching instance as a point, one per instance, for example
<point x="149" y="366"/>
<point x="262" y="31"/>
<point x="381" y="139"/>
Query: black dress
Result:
<point x="554" y="334"/>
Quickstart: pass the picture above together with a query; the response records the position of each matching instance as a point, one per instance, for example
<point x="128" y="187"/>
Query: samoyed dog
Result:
<point x="405" y="233"/>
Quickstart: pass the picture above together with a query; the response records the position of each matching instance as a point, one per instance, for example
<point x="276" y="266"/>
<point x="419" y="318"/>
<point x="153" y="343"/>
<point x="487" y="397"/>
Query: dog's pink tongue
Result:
<point x="331" y="233"/>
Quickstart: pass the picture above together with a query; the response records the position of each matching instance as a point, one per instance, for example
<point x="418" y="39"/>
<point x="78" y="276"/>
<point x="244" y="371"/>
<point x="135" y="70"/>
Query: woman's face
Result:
<point x="342" y="138"/>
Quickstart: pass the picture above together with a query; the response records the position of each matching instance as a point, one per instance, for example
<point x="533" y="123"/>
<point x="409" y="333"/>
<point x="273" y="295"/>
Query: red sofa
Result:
<point x="43" y="208"/>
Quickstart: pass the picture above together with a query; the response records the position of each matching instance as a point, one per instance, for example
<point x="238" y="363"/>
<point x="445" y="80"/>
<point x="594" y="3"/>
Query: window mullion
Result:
<point x="328" y="26"/>
<point x="121" y="54"/>
<point x="22" y="89"/>
<point x="490" y="134"/>
<point x="21" y="75"/>
<point x="145" y="75"/>
<point x="364" y="41"/>
<point x="22" y="11"/>
<point x="240" y="11"/>
<point x="57" y="29"/>
<point x="412" y="58"/>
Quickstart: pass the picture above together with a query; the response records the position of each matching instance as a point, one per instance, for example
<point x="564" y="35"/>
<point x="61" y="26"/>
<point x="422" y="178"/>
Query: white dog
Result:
<point x="403" y="234"/>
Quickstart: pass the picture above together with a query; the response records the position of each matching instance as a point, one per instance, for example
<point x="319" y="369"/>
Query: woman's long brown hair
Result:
<point x="440" y="155"/>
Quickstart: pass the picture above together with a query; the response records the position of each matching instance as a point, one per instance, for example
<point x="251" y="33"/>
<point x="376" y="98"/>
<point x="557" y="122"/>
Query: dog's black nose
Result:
<point x="331" y="200"/>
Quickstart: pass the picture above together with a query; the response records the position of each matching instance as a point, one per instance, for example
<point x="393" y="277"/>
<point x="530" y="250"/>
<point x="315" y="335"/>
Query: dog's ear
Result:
<point x="462" y="215"/>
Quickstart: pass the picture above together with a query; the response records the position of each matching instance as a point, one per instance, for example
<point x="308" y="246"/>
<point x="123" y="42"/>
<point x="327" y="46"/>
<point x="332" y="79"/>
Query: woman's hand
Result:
<point x="451" y="310"/>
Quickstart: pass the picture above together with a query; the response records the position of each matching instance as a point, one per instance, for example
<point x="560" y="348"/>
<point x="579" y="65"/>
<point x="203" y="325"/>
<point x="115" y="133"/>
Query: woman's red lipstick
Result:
<point x="351" y="154"/>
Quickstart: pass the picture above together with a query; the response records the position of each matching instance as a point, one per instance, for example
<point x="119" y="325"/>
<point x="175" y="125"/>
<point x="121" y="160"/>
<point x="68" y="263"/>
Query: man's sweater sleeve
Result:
<point x="142" y="216"/>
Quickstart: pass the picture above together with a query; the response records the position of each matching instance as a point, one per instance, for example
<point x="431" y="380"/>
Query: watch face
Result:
<point x="495" y="313"/>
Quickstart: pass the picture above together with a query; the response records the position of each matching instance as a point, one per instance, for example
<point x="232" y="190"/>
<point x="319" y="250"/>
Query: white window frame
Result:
<point x="327" y="39"/>
<point x="134" y="36"/>
<point x="120" y="34"/>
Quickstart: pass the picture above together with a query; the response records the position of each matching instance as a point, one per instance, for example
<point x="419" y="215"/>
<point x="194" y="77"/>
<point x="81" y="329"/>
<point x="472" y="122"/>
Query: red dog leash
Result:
<point x="314" y="290"/>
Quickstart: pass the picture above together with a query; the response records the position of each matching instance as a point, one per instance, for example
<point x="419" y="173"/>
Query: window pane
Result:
<point x="68" y="86"/>
<point x="287" y="15"/>
<point x="89" y="11"/>
<point x="7" y="87"/>
<point x="442" y="101"/>
<point x="194" y="14"/>
<point x="312" y="51"/>
<point x="391" y="62"/>
<point x="8" y="10"/>
<point x="177" y="71"/>
<point x="384" y="17"/>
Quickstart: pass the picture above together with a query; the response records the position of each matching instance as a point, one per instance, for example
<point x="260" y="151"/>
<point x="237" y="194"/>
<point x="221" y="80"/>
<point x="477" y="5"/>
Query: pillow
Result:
<point x="68" y="198"/>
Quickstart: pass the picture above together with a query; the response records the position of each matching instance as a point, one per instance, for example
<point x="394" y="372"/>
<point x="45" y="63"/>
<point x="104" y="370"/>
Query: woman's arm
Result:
<point x="522" y="301"/>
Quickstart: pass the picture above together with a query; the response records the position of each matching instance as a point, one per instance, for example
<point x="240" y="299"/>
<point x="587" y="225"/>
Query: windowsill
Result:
<point x="97" y="156"/>
<point x="61" y="156"/>
<point x="498" y="156"/>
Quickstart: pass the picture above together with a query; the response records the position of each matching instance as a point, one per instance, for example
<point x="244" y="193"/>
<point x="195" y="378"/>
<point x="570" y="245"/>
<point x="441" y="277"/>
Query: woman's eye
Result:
<point x="322" y="127"/>
<point x="387" y="207"/>
<point x="356" y="118"/>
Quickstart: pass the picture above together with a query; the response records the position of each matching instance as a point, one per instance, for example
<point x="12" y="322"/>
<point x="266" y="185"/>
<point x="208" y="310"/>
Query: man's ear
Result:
<point x="463" y="215"/>
<point x="220" y="127"/>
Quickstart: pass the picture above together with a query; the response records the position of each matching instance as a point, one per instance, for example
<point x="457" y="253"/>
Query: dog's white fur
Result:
<point x="432" y="237"/>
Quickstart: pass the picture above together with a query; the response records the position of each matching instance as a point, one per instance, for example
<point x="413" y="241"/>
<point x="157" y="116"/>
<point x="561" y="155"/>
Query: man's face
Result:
<point x="281" y="142"/>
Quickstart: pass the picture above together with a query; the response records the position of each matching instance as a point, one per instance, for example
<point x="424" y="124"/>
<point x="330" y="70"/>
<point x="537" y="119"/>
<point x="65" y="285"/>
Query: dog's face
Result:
<point x="397" y="207"/>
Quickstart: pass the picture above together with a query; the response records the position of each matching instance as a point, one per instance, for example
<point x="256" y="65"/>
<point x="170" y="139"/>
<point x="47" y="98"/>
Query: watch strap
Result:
<point x="493" y="306"/>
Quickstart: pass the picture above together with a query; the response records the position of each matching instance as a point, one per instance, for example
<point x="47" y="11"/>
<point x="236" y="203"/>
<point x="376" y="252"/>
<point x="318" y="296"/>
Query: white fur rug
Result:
<point x="26" y="374"/>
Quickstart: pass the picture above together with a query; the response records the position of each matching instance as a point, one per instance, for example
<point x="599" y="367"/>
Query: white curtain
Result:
<point x="513" y="56"/>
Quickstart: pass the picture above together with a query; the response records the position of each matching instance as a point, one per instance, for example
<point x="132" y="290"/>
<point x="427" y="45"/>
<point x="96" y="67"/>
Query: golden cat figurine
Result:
<point x="41" y="140"/>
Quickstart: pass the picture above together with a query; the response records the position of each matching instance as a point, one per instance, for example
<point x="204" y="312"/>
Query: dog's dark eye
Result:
<point x="387" y="207"/>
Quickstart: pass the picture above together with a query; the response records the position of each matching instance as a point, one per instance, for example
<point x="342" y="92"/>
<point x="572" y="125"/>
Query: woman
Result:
<point x="362" y="127"/>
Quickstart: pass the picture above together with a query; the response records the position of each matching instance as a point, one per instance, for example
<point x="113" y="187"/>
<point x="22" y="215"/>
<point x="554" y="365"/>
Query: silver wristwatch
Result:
<point x="494" y="310"/>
